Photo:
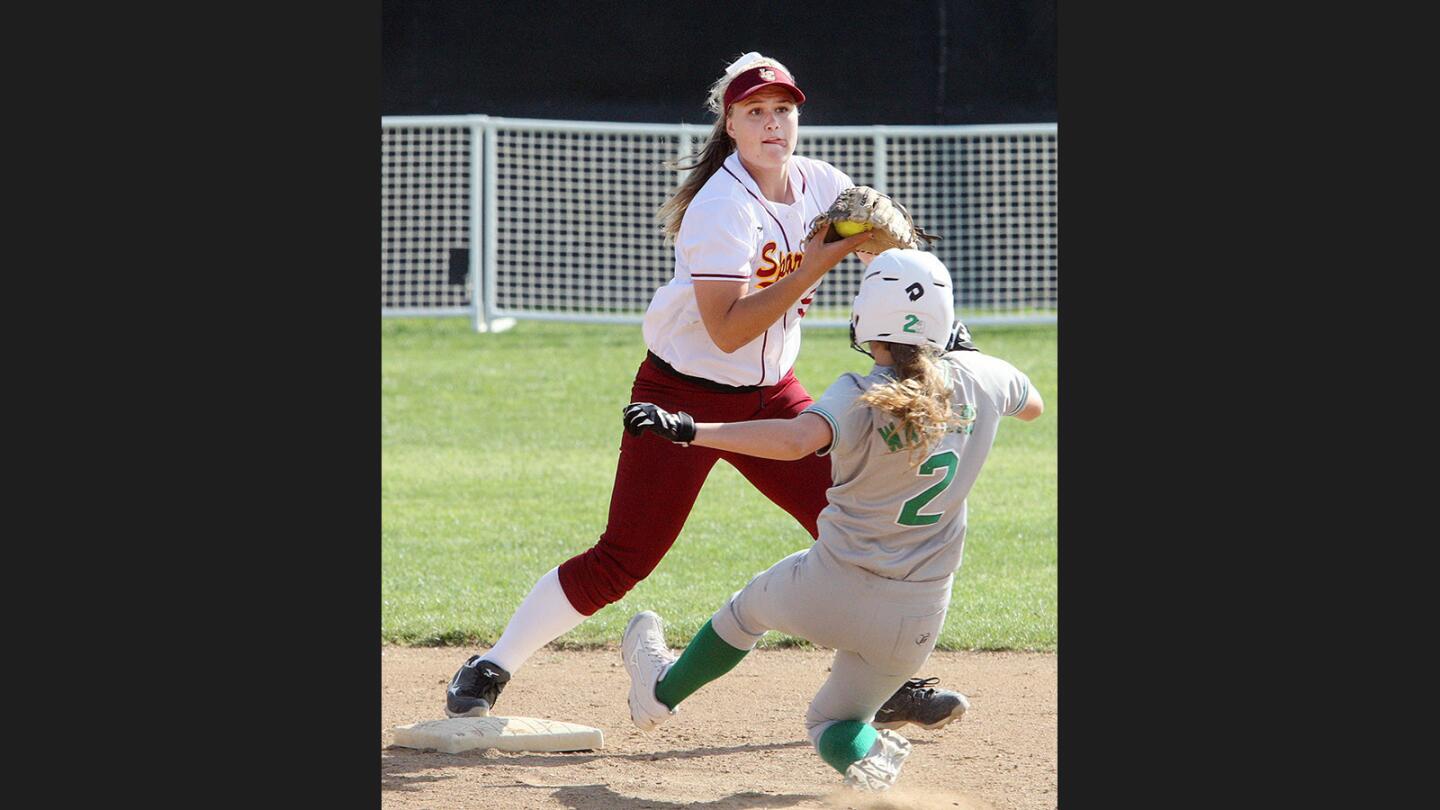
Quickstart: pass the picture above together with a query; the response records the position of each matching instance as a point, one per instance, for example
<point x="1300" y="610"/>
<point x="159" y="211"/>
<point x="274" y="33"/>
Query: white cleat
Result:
<point x="647" y="660"/>
<point x="880" y="768"/>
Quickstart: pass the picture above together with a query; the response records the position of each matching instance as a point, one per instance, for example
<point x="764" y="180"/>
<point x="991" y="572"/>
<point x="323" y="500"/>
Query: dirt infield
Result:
<point x="738" y="743"/>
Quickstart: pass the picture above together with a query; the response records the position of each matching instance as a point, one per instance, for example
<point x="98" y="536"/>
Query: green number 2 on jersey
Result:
<point x="910" y="512"/>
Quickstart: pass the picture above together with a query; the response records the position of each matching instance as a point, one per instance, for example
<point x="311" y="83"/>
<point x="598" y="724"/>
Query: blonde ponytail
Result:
<point x="919" y="398"/>
<point x="701" y="166"/>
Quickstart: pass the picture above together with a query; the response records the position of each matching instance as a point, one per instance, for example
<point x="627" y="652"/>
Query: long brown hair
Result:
<point x="919" y="397"/>
<point x="704" y="163"/>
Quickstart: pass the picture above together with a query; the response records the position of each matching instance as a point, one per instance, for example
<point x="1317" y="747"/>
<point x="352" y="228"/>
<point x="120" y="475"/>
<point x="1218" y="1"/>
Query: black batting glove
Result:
<point x="678" y="427"/>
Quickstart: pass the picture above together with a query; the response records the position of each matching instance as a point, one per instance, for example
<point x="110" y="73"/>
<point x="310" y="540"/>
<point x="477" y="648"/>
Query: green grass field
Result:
<point x="498" y="452"/>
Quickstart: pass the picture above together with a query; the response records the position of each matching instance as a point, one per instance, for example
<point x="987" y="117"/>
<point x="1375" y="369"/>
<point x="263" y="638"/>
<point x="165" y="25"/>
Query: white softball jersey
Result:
<point x="892" y="519"/>
<point x="732" y="234"/>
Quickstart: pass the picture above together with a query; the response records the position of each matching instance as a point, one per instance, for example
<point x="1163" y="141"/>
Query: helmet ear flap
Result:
<point x="960" y="338"/>
<point x="854" y="319"/>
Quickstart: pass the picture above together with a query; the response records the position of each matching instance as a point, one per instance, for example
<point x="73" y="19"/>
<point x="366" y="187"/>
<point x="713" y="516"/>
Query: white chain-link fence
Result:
<point x="493" y="217"/>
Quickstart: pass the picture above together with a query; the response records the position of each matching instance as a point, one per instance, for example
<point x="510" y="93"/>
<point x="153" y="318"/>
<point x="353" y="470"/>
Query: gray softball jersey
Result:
<point x="892" y="519"/>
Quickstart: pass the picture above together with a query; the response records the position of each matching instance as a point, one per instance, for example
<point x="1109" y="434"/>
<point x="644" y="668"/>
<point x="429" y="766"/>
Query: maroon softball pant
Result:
<point x="657" y="481"/>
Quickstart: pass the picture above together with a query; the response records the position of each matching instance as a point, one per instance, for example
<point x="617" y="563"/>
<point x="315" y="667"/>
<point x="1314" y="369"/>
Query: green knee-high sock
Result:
<point x="707" y="658"/>
<point x="845" y="743"/>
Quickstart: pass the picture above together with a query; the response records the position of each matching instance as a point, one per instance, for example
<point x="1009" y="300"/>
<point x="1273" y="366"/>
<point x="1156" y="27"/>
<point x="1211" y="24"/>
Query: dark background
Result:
<point x="242" y="510"/>
<point x="915" y="62"/>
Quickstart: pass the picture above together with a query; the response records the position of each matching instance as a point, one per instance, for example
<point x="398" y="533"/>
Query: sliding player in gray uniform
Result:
<point x="906" y="444"/>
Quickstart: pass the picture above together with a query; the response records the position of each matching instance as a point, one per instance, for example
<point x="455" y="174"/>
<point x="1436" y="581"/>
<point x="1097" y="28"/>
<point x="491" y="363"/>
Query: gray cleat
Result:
<point x="917" y="702"/>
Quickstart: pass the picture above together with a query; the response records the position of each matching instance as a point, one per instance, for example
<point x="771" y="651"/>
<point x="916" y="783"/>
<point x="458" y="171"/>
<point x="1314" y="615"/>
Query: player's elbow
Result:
<point x="726" y="331"/>
<point x="795" y="449"/>
<point x="722" y="339"/>
<point x="790" y="454"/>
<point x="730" y="342"/>
<point x="725" y="345"/>
<point x="805" y="434"/>
<point x="1034" y="406"/>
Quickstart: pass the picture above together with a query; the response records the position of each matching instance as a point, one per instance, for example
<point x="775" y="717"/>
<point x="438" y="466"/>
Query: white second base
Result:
<point x="504" y="733"/>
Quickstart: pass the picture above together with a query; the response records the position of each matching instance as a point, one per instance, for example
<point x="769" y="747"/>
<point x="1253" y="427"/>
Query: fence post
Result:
<point x="492" y="223"/>
<point x="478" y="313"/>
<point x="880" y="167"/>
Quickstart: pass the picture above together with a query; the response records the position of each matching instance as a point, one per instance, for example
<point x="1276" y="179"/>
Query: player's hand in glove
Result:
<point x="824" y="255"/>
<point x="890" y="225"/>
<point x="678" y="427"/>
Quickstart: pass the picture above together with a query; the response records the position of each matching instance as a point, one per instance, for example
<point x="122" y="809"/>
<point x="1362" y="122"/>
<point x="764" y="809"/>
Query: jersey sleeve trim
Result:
<point x="1024" y="397"/>
<point x="834" y="429"/>
<point x="720" y="276"/>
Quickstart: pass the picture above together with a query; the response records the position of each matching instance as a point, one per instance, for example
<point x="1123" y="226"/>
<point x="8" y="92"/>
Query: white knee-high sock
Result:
<point x="545" y="615"/>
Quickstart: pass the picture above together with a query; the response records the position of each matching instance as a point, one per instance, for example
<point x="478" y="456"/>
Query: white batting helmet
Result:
<point x="905" y="297"/>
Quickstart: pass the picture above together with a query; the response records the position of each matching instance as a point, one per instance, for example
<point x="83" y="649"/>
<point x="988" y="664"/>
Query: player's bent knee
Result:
<point x="842" y="743"/>
<point x="591" y="581"/>
<point x="815" y="727"/>
<point x="732" y="631"/>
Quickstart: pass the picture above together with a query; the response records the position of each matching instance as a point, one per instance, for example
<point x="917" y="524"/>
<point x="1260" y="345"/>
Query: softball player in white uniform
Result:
<point x="876" y="583"/>
<point x="732" y="233"/>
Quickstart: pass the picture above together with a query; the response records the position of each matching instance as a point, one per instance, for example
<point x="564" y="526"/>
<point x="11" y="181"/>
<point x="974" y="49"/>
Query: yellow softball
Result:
<point x="847" y="228"/>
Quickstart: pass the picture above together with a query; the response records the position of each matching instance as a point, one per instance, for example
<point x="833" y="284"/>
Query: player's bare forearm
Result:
<point x="748" y="316"/>
<point x="734" y="316"/>
<point x="780" y="439"/>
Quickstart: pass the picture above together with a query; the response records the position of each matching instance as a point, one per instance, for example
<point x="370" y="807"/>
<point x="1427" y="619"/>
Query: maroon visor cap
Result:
<point x="751" y="81"/>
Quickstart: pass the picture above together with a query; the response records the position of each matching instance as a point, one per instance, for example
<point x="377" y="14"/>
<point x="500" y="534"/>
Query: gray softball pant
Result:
<point x="882" y="629"/>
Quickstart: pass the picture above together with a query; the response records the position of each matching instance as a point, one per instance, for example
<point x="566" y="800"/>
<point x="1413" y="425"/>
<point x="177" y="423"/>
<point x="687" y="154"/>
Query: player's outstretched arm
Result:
<point x="780" y="439"/>
<point x="734" y="315"/>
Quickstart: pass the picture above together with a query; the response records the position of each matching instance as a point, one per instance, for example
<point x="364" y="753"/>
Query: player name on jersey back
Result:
<point x="896" y="514"/>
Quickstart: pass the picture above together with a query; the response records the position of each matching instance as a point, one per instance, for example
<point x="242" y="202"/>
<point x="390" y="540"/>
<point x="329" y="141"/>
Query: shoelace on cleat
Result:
<point x="918" y="687"/>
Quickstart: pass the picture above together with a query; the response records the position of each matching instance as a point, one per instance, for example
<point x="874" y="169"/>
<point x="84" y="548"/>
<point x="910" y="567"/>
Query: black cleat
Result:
<point x="474" y="689"/>
<point x="917" y="703"/>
